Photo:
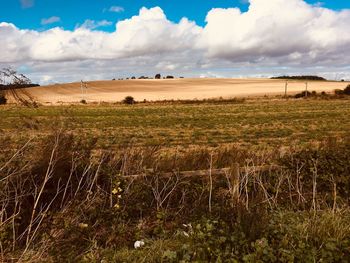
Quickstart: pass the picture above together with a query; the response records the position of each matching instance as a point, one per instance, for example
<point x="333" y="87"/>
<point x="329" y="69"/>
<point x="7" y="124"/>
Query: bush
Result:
<point x="347" y="90"/>
<point x="169" y="77"/>
<point x="129" y="100"/>
<point x="3" y="99"/>
<point x="83" y="101"/>
<point x="303" y="94"/>
<point x="339" y="92"/>
<point x="158" y="76"/>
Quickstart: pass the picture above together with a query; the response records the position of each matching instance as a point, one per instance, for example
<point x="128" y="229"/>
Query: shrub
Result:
<point x="129" y="100"/>
<point x="169" y="77"/>
<point x="347" y="90"/>
<point x="303" y="94"/>
<point x="3" y="99"/>
<point x="339" y="92"/>
<point x="158" y="76"/>
<point x="83" y="101"/>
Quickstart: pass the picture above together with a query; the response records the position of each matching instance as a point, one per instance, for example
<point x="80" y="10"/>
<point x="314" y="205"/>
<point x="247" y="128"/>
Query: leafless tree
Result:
<point x="12" y="84"/>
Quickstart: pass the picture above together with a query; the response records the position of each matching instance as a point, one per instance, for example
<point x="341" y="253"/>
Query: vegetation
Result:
<point x="300" y="78"/>
<point x="215" y="181"/>
<point x="346" y="91"/>
<point x="247" y="123"/>
<point x="129" y="100"/>
<point x="14" y="83"/>
<point x="3" y="99"/>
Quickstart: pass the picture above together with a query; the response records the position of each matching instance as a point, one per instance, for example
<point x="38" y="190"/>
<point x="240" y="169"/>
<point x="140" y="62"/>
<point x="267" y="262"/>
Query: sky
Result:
<point x="58" y="41"/>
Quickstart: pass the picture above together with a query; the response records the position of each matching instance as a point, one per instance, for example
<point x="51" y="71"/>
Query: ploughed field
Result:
<point x="168" y="89"/>
<point x="267" y="122"/>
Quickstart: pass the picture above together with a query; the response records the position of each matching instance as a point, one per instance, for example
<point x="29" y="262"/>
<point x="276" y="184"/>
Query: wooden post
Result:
<point x="306" y="86"/>
<point x="82" y="89"/>
<point x="285" y="89"/>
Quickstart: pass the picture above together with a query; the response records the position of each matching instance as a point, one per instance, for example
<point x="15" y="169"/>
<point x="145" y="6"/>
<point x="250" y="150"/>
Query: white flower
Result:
<point x="138" y="244"/>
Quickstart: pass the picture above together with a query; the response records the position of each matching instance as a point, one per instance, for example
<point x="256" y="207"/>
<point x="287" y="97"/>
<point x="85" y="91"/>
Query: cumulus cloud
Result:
<point x="269" y="36"/>
<point x="280" y="30"/>
<point x="50" y="20"/>
<point x="147" y="33"/>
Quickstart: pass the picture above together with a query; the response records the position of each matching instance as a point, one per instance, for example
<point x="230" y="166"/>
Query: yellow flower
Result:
<point x="82" y="225"/>
<point x="117" y="206"/>
<point x="115" y="191"/>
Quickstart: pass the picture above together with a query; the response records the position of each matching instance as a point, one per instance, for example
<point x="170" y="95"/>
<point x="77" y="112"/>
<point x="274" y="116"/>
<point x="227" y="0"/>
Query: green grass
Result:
<point x="269" y="122"/>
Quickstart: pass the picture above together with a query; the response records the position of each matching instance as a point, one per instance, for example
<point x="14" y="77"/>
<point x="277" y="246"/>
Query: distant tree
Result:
<point x="129" y="100"/>
<point x="169" y="77"/>
<point x="306" y="77"/>
<point x="133" y="77"/>
<point x="158" y="76"/>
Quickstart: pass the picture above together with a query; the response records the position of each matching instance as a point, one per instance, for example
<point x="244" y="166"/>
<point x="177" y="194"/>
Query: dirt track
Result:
<point x="112" y="91"/>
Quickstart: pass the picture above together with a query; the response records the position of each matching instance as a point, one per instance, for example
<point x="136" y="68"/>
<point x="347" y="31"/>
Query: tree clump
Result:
<point x="306" y="77"/>
<point x="129" y="100"/>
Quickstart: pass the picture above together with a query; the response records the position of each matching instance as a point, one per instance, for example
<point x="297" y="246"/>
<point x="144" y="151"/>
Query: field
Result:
<point x="173" y="89"/>
<point x="269" y="122"/>
<point x="239" y="180"/>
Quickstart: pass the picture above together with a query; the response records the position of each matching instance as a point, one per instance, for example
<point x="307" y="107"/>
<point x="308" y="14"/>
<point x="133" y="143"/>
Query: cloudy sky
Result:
<point x="56" y="41"/>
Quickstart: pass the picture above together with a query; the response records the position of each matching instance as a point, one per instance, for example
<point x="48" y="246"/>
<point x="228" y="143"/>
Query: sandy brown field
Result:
<point x="112" y="91"/>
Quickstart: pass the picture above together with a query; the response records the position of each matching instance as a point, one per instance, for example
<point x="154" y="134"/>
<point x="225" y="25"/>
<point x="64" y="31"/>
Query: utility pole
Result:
<point x="306" y="86"/>
<point x="83" y="87"/>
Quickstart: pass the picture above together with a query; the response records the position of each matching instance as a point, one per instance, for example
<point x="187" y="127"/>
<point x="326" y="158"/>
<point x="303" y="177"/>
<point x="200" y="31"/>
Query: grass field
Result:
<point x="243" y="180"/>
<point x="274" y="122"/>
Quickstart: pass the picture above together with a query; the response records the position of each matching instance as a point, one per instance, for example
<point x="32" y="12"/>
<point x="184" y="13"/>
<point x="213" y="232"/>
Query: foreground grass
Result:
<point x="83" y="183"/>
<point x="259" y="122"/>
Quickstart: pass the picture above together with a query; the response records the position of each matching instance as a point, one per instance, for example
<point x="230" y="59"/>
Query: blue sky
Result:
<point x="29" y="13"/>
<point x="71" y="40"/>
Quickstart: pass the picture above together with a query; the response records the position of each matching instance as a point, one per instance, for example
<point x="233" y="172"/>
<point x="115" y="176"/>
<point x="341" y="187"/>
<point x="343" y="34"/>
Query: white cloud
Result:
<point x="92" y="24"/>
<point x="50" y="20"/>
<point x="116" y="9"/>
<point x="272" y="36"/>
<point x="279" y="30"/>
<point x="27" y="3"/>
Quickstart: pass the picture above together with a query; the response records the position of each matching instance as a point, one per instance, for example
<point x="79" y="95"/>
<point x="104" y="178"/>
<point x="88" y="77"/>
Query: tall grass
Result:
<point x="63" y="199"/>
